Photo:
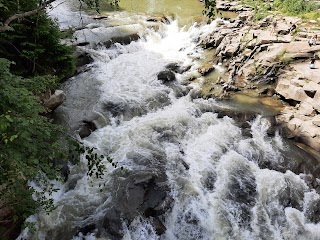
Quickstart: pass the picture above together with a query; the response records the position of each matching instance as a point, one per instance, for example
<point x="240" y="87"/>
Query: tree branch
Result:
<point x="5" y="27"/>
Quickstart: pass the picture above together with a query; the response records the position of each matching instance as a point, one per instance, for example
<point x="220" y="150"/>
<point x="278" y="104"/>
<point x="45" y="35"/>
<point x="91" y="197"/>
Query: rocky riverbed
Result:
<point x="189" y="167"/>
<point x="272" y="66"/>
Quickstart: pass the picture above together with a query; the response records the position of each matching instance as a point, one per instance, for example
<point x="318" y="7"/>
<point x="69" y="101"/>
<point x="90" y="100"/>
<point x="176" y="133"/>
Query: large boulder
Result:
<point x="107" y="35"/>
<point x="55" y="100"/>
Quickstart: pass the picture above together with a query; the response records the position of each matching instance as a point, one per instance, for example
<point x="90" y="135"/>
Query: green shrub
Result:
<point x="29" y="142"/>
<point x="296" y="6"/>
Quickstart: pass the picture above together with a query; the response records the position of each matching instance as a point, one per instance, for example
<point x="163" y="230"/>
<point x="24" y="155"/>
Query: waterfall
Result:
<point x="183" y="172"/>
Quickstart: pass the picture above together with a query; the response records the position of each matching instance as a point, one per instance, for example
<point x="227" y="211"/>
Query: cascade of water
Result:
<point x="207" y="174"/>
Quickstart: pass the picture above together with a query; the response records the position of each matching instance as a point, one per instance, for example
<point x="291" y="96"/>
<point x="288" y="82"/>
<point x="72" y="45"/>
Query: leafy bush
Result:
<point x="296" y="6"/>
<point x="210" y="8"/>
<point x="29" y="142"/>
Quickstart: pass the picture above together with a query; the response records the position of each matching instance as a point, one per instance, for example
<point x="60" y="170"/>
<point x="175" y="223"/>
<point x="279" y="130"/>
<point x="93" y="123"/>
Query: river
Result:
<point x="184" y="171"/>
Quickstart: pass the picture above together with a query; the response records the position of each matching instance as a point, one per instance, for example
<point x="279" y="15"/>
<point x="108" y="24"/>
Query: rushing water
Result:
<point x="212" y="180"/>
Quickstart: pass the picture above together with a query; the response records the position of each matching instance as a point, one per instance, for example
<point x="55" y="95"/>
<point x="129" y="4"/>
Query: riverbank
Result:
<point x="271" y="64"/>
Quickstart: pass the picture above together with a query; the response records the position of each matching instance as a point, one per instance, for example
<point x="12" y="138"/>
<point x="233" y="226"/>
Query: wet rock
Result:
<point x="238" y="116"/>
<point x="82" y="44"/>
<point x="166" y="75"/>
<point x="124" y="40"/>
<point x="205" y="69"/>
<point x="186" y="165"/>
<point x="158" y="226"/>
<point x="86" y="129"/>
<point x="162" y="19"/>
<point x="313" y="211"/>
<point x="82" y="58"/>
<point x="246" y="132"/>
<point x="9" y="228"/>
<point x="175" y="67"/>
<point x="142" y="193"/>
<point x="242" y="192"/>
<point x="100" y="17"/>
<point x="291" y="195"/>
<point x="209" y="181"/>
<point x="127" y="110"/>
<point x="107" y="34"/>
<point x="227" y="87"/>
<point x="65" y="171"/>
<point x="87" y="229"/>
<point x="308" y="178"/>
<point x="274" y="127"/>
<point x="267" y="91"/>
<point x="112" y="224"/>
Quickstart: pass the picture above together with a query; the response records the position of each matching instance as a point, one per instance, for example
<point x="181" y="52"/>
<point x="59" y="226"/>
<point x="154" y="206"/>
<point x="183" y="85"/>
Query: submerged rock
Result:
<point x="142" y="193"/>
<point x="166" y="75"/>
<point x="206" y="69"/>
<point x="113" y="224"/>
<point x="86" y="128"/>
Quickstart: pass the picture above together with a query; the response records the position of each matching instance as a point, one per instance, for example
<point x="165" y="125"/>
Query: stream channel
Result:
<point x="186" y="168"/>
